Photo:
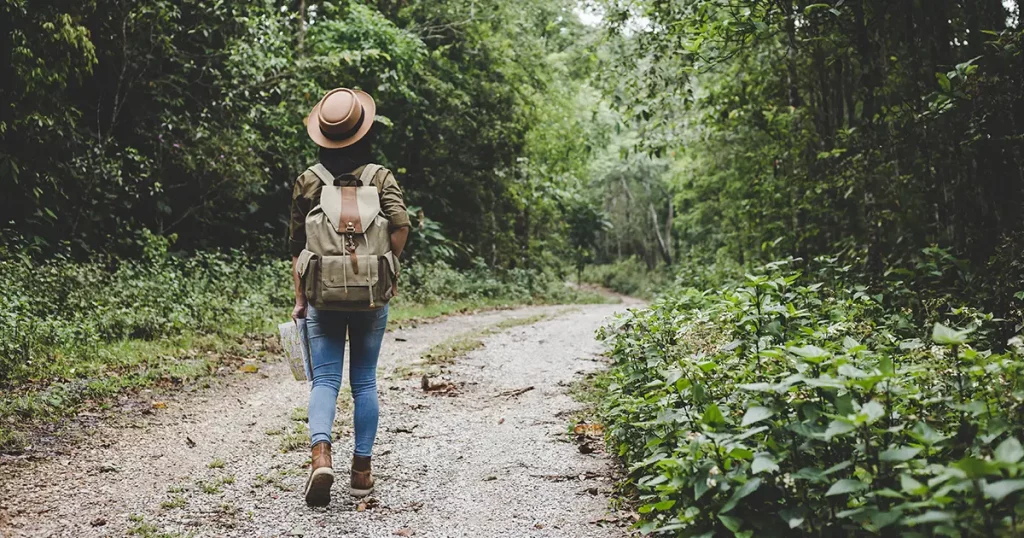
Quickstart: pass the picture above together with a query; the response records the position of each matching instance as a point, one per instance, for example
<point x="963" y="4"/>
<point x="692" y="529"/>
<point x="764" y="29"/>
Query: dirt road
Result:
<point x="483" y="458"/>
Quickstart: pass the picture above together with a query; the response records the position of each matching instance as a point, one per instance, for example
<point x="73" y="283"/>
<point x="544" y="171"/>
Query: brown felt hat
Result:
<point x="341" y="118"/>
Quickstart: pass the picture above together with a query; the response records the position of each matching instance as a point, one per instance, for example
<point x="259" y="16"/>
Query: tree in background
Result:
<point x="185" y="118"/>
<point x="871" y="129"/>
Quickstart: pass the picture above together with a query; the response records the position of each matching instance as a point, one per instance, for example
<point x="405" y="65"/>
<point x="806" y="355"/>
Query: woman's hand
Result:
<point x="299" y="312"/>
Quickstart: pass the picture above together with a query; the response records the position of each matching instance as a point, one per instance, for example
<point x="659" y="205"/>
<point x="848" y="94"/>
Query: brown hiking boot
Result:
<point x="321" y="476"/>
<point x="362" y="477"/>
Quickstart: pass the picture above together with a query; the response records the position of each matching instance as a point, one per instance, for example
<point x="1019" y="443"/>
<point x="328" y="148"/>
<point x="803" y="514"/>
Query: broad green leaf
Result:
<point x="756" y="414"/>
<point x="926" y="434"/>
<point x="911" y="486"/>
<point x="664" y="505"/>
<point x="851" y="371"/>
<point x="882" y="520"/>
<point x="810" y="473"/>
<point x="998" y="491"/>
<point x="931" y="516"/>
<point x="872" y="411"/>
<point x="976" y="467"/>
<point x="732" y="523"/>
<point x="811" y="354"/>
<point x="948" y="337"/>
<point x="794" y="517"/>
<point x="838" y="427"/>
<point x="901" y="454"/>
<point x="741" y="453"/>
<point x="845" y="486"/>
<point x="713" y="416"/>
<point x="741" y="492"/>
<point x="763" y="463"/>
<point x="1009" y="451"/>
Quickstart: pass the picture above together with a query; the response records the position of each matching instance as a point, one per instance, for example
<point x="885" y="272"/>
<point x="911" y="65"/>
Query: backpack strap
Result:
<point x="369" y="173"/>
<point x="366" y="177"/>
<point x="326" y="177"/>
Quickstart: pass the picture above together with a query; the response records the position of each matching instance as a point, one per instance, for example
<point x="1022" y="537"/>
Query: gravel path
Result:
<point x="469" y="462"/>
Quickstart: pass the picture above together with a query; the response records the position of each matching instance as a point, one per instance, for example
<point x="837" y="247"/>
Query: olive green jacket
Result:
<point x="306" y="194"/>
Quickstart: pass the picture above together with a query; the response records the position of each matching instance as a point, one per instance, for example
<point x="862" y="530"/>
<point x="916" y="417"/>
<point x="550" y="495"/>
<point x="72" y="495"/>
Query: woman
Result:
<point x="341" y="124"/>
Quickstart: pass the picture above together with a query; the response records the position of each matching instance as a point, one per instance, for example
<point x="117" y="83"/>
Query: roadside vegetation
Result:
<point x="75" y="335"/>
<point x="796" y="402"/>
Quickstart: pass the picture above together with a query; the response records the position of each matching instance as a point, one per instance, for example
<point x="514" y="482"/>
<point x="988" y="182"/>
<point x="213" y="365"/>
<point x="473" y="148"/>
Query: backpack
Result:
<point x="347" y="263"/>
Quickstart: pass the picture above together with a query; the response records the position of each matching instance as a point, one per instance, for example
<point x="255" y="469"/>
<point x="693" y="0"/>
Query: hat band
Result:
<point x="346" y="134"/>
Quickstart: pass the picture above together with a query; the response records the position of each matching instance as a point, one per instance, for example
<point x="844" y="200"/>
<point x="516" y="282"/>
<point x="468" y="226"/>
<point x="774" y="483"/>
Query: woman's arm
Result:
<point x="297" y="239"/>
<point x="299" y="311"/>
<point x="398" y="239"/>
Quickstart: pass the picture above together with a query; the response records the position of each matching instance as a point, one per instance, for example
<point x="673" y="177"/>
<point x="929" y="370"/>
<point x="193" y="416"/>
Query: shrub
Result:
<point x="629" y="276"/>
<point x="794" y="406"/>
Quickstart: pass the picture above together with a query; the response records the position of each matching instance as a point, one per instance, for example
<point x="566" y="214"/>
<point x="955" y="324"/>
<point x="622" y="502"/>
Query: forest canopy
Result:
<point x="185" y="119"/>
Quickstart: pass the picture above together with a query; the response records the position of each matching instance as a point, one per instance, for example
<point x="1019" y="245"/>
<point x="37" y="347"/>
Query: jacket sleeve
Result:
<point x="300" y="207"/>
<point x="392" y="202"/>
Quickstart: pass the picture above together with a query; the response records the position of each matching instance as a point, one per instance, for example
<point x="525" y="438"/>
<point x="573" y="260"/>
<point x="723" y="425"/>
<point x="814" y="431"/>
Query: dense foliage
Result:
<point x="793" y="404"/>
<point x="871" y="128"/>
<point x="187" y="119"/>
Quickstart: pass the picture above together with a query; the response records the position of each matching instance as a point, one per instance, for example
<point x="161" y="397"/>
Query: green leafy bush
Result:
<point x="629" y="276"/>
<point x="792" y="405"/>
<point x="431" y="282"/>
<point x="56" y="314"/>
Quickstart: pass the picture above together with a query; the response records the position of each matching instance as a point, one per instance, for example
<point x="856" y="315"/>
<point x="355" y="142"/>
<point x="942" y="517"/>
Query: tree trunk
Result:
<point x="867" y="60"/>
<point x="302" y="23"/>
<point x="791" y="52"/>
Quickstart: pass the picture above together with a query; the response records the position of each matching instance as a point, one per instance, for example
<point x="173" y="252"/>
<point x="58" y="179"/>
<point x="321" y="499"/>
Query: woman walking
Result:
<point x="348" y="228"/>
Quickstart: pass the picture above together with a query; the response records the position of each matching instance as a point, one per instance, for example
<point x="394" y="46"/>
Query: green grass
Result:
<point x="147" y="530"/>
<point x="209" y="487"/>
<point x="295" y="438"/>
<point x="217" y="463"/>
<point x="176" y="501"/>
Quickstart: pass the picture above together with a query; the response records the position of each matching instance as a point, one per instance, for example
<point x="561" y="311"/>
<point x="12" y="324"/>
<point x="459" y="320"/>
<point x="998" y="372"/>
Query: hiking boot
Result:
<point x="362" y="478"/>
<point x="321" y="476"/>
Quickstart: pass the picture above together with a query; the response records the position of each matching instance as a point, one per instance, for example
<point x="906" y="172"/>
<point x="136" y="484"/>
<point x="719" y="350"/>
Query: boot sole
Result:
<point x="318" y="487"/>
<point x="360" y="492"/>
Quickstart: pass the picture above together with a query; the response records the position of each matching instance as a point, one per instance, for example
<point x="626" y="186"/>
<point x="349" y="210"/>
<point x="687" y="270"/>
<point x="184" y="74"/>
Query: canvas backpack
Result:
<point x="347" y="263"/>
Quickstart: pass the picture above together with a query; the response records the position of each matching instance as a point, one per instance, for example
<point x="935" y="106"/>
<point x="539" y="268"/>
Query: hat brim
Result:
<point x="313" y="125"/>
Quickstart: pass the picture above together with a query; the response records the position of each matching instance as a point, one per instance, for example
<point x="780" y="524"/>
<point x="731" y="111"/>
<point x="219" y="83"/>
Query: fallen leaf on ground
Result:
<point x="159" y="405"/>
<point x="604" y="519"/>
<point x="249" y="368"/>
<point x="592" y="430"/>
<point x="512" y="393"/>
<point x="367" y="504"/>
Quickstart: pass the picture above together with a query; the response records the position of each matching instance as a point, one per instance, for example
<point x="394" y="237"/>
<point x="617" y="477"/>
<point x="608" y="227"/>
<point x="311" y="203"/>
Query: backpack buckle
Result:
<point x="350" y="228"/>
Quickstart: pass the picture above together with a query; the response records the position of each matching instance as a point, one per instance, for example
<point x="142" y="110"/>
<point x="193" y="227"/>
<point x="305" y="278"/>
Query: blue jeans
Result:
<point x="327" y="349"/>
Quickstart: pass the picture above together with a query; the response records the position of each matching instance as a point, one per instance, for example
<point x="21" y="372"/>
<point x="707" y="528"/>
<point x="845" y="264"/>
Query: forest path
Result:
<point x="470" y="462"/>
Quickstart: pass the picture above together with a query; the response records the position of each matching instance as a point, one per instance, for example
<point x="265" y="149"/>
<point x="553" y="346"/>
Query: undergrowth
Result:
<point x="801" y="404"/>
<point x="75" y="334"/>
